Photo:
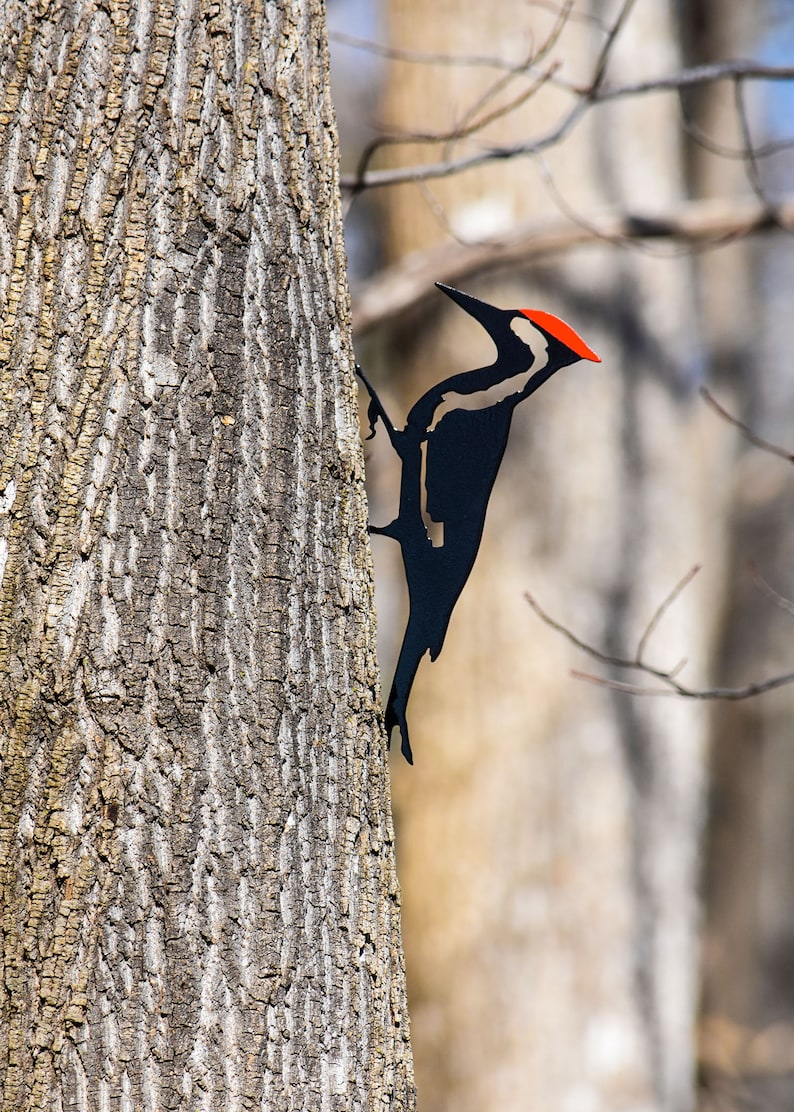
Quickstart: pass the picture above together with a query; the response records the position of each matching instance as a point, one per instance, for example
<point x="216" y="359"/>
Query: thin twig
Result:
<point x="454" y="134"/>
<point x="693" y="76"/>
<point x="589" y="96"/>
<point x="722" y="150"/>
<point x="745" y="430"/>
<point x="478" y="123"/>
<point x="694" y="224"/>
<point x="621" y="685"/>
<point x="710" y="694"/>
<point x="662" y="609"/>
<point x="475" y="119"/>
<point x="785" y="604"/>
<point x="422" y="57"/>
<point x="374" y="179"/>
<point x="750" y="159"/>
<point x="671" y="685"/>
<point x="630" y="235"/>
<point x="532" y="61"/>
<point x="568" y="634"/>
<point x="606" y="50"/>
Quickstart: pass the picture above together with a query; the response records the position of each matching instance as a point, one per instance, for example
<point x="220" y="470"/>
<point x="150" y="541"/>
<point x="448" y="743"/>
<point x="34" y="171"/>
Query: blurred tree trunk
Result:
<point x="199" y="901"/>
<point x="748" y="991"/>
<point x="549" y="830"/>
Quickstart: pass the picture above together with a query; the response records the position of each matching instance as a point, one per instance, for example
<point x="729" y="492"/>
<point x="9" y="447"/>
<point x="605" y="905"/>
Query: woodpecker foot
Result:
<point x="394" y="718"/>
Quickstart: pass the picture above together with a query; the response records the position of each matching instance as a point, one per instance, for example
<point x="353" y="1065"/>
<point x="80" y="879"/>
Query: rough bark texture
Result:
<point x="549" y="831"/>
<point x="199" y="900"/>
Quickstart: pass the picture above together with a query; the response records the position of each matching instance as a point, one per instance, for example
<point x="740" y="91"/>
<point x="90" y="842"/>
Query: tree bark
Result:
<point x="199" y="900"/>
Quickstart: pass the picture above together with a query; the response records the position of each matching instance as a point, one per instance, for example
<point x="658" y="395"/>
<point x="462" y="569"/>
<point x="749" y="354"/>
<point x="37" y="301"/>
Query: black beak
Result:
<point x="480" y="310"/>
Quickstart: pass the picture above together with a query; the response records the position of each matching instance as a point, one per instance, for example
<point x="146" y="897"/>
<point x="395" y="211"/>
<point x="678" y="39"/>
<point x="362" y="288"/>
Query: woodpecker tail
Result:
<point x="413" y="648"/>
<point x="395" y="716"/>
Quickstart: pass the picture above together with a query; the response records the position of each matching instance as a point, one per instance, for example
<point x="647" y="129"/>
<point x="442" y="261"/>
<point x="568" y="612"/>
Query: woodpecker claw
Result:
<point x="373" y="413"/>
<point x="390" y="530"/>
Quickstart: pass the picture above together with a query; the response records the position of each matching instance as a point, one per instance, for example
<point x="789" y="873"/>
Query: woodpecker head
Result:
<point x="564" y="345"/>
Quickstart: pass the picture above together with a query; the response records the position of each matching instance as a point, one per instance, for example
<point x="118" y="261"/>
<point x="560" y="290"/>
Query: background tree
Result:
<point x="199" y="902"/>
<point x="560" y="956"/>
<point x="550" y="843"/>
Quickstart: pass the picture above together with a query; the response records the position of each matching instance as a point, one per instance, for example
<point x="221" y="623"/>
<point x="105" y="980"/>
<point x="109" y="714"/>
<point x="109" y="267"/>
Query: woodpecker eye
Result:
<point x="528" y="334"/>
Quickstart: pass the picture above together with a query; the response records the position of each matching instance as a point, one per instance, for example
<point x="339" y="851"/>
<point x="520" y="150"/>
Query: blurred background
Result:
<point x="598" y="879"/>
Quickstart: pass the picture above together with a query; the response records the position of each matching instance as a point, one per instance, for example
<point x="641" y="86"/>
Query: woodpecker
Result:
<point x="450" y="457"/>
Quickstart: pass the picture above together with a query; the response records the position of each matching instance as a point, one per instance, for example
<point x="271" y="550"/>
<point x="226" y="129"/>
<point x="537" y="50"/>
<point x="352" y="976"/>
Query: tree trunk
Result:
<point x="549" y="830"/>
<point x="199" y="900"/>
<point x="748" y="975"/>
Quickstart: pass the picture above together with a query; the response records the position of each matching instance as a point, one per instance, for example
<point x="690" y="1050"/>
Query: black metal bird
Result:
<point x="450" y="457"/>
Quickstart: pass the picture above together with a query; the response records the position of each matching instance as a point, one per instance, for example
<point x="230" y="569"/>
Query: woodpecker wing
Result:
<point x="463" y="456"/>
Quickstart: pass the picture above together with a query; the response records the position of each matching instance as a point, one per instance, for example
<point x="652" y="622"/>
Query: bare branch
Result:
<point x="670" y="685"/>
<point x="438" y="58"/>
<point x="423" y="57"/>
<point x="696" y="224"/>
<point x="619" y="685"/>
<point x="606" y="50"/>
<point x="478" y="123"/>
<point x="474" y="120"/>
<point x="459" y="132"/>
<point x="587" y="96"/>
<point x="722" y="150"/>
<point x="785" y="604"/>
<point x="712" y="694"/>
<point x="565" y="14"/>
<point x="745" y="430"/>
<point x="373" y="179"/>
<point x="532" y="61"/>
<point x="693" y="76"/>
<point x="570" y="636"/>
<point x="426" y="57"/>
<point x="662" y="609"/>
<point x="668" y="682"/>
<point x="750" y="157"/>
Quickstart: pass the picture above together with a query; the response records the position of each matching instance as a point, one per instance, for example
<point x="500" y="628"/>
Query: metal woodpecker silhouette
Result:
<point x="450" y="457"/>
